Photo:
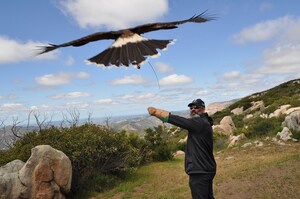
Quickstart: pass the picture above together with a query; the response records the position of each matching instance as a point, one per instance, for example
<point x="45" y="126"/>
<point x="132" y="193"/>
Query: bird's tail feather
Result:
<point x="130" y="53"/>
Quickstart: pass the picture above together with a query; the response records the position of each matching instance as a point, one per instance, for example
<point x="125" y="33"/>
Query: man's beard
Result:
<point x="194" y="114"/>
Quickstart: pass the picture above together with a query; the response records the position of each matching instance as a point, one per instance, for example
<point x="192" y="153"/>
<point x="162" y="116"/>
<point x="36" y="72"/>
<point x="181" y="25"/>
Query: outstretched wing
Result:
<point x="201" y="18"/>
<point x="84" y="40"/>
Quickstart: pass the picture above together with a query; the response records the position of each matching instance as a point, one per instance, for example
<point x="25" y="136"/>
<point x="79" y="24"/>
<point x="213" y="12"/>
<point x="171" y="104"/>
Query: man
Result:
<point x="200" y="164"/>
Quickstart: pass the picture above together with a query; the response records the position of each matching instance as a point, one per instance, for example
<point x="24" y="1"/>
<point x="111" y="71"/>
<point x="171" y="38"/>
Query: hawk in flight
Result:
<point x="129" y="46"/>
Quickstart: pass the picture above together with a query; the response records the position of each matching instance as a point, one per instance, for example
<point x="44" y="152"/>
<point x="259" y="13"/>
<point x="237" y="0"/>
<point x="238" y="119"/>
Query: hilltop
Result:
<point x="265" y="102"/>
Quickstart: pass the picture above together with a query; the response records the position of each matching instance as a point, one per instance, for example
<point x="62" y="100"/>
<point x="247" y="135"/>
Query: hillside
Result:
<point x="283" y="94"/>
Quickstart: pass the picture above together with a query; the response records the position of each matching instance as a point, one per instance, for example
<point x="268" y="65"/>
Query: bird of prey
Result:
<point x="129" y="46"/>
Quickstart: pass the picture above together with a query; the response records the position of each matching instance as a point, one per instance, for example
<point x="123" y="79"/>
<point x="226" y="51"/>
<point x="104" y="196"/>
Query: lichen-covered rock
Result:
<point x="46" y="174"/>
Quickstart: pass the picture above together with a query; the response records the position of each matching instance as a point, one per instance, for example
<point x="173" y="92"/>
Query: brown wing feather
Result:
<point x="83" y="40"/>
<point x="201" y="18"/>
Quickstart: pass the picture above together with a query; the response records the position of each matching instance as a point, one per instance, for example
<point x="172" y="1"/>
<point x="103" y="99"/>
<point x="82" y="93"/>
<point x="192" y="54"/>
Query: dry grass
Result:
<point x="270" y="171"/>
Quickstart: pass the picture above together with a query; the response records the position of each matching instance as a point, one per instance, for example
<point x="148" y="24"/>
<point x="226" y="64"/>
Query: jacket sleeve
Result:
<point x="190" y="124"/>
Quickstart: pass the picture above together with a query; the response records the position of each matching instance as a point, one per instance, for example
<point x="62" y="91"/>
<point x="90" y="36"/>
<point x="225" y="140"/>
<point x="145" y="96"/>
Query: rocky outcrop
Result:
<point x="256" y="105"/>
<point x="238" y="111"/>
<point x="285" y="134"/>
<point x="226" y="126"/>
<point x="282" y="110"/>
<point x="292" y="121"/>
<point x="46" y="174"/>
<point x="233" y="140"/>
<point x="10" y="184"/>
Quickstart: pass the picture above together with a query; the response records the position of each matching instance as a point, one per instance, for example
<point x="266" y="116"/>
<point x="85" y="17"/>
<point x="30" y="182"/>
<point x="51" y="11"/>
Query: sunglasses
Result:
<point x="194" y="107"/>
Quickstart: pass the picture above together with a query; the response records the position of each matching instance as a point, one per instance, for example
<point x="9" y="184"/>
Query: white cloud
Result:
<point x="113" y="13"/>
<point x="267" y="30"/>
<point x="77" y="105"/>
<point x="42" y="107"/>
<point x="60" y="78"/>
<point x="69" y="61"/>
<point x="81" y="75"/>
<point x="104" y="102"/>
<point x="281" y="60"/>
<point x="164" y="67"/>
<point x="175" y="80"/>
<point x="13" y="51"/>
<point x="202" y="93"/>
<point x="11" y="96"/>
<point x="133" y="79"/>
<point x="143" y="98"/>
<point x="11" y="106"/>
<point x="231" y="76"/>
<point x="235" y="81"/>
<point x="70" y="95"/>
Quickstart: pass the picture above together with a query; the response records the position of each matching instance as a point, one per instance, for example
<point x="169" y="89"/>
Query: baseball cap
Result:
<point x="197" y="102"/>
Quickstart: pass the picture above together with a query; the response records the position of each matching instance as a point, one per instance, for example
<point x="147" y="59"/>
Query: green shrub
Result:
<point x="163" y="152"/>
<point x="264" y="126"/>
<point x="238" y="120"/>
<point x="295" y="102"/>
<point x="296" y="135"/>
<point x="91" y="149"/>
<point x="219" y="115"/>
<point x="159" y="143"/>
<point x="181" y="146"/>
<point x="244" y="102"/>
<point x="220" y="141"/>
<point x="271" y="108"/>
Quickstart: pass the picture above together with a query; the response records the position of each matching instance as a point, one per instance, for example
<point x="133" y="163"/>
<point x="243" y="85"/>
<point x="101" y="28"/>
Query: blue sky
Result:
<point x="252" y="46"/>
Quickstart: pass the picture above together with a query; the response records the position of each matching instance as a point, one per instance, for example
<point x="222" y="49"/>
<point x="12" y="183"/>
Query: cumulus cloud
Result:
<point x="281" y="60"/>
<point x="142" y="98"/>
<point x="133" y="79"/>
<point x="11" y="106"/>
<point x="104" y="102"/>
<point x="60" y="78"/>
<point x="42" y="107"/>
<point x="10" y="96"/>
<point x="13" y="51"/>
<point x="233" y="75"/>
<point x="163" y="67"/>
<point x="69" y="61"/>
<point x="70" y="95"/>
<point x="235" y="81"/>
<point x="113" y="13"/>
<point x="267" y="30"/>
<point x="75" y="105"/>
<point x="175" y="80"/>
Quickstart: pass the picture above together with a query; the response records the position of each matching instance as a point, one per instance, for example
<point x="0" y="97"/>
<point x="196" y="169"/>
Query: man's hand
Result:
<point x="151" y="110"/>
<point x="158" y="112"/>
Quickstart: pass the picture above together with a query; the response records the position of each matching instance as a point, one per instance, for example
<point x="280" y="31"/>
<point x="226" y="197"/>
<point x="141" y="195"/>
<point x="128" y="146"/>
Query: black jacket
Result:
<point x="199" y="156"/>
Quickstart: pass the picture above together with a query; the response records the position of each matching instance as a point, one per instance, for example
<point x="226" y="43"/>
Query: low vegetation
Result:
<point x="100" y="157"/>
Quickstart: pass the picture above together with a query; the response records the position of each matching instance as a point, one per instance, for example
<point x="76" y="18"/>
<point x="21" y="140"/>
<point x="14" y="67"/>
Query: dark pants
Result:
<point x="201" y="186"/>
